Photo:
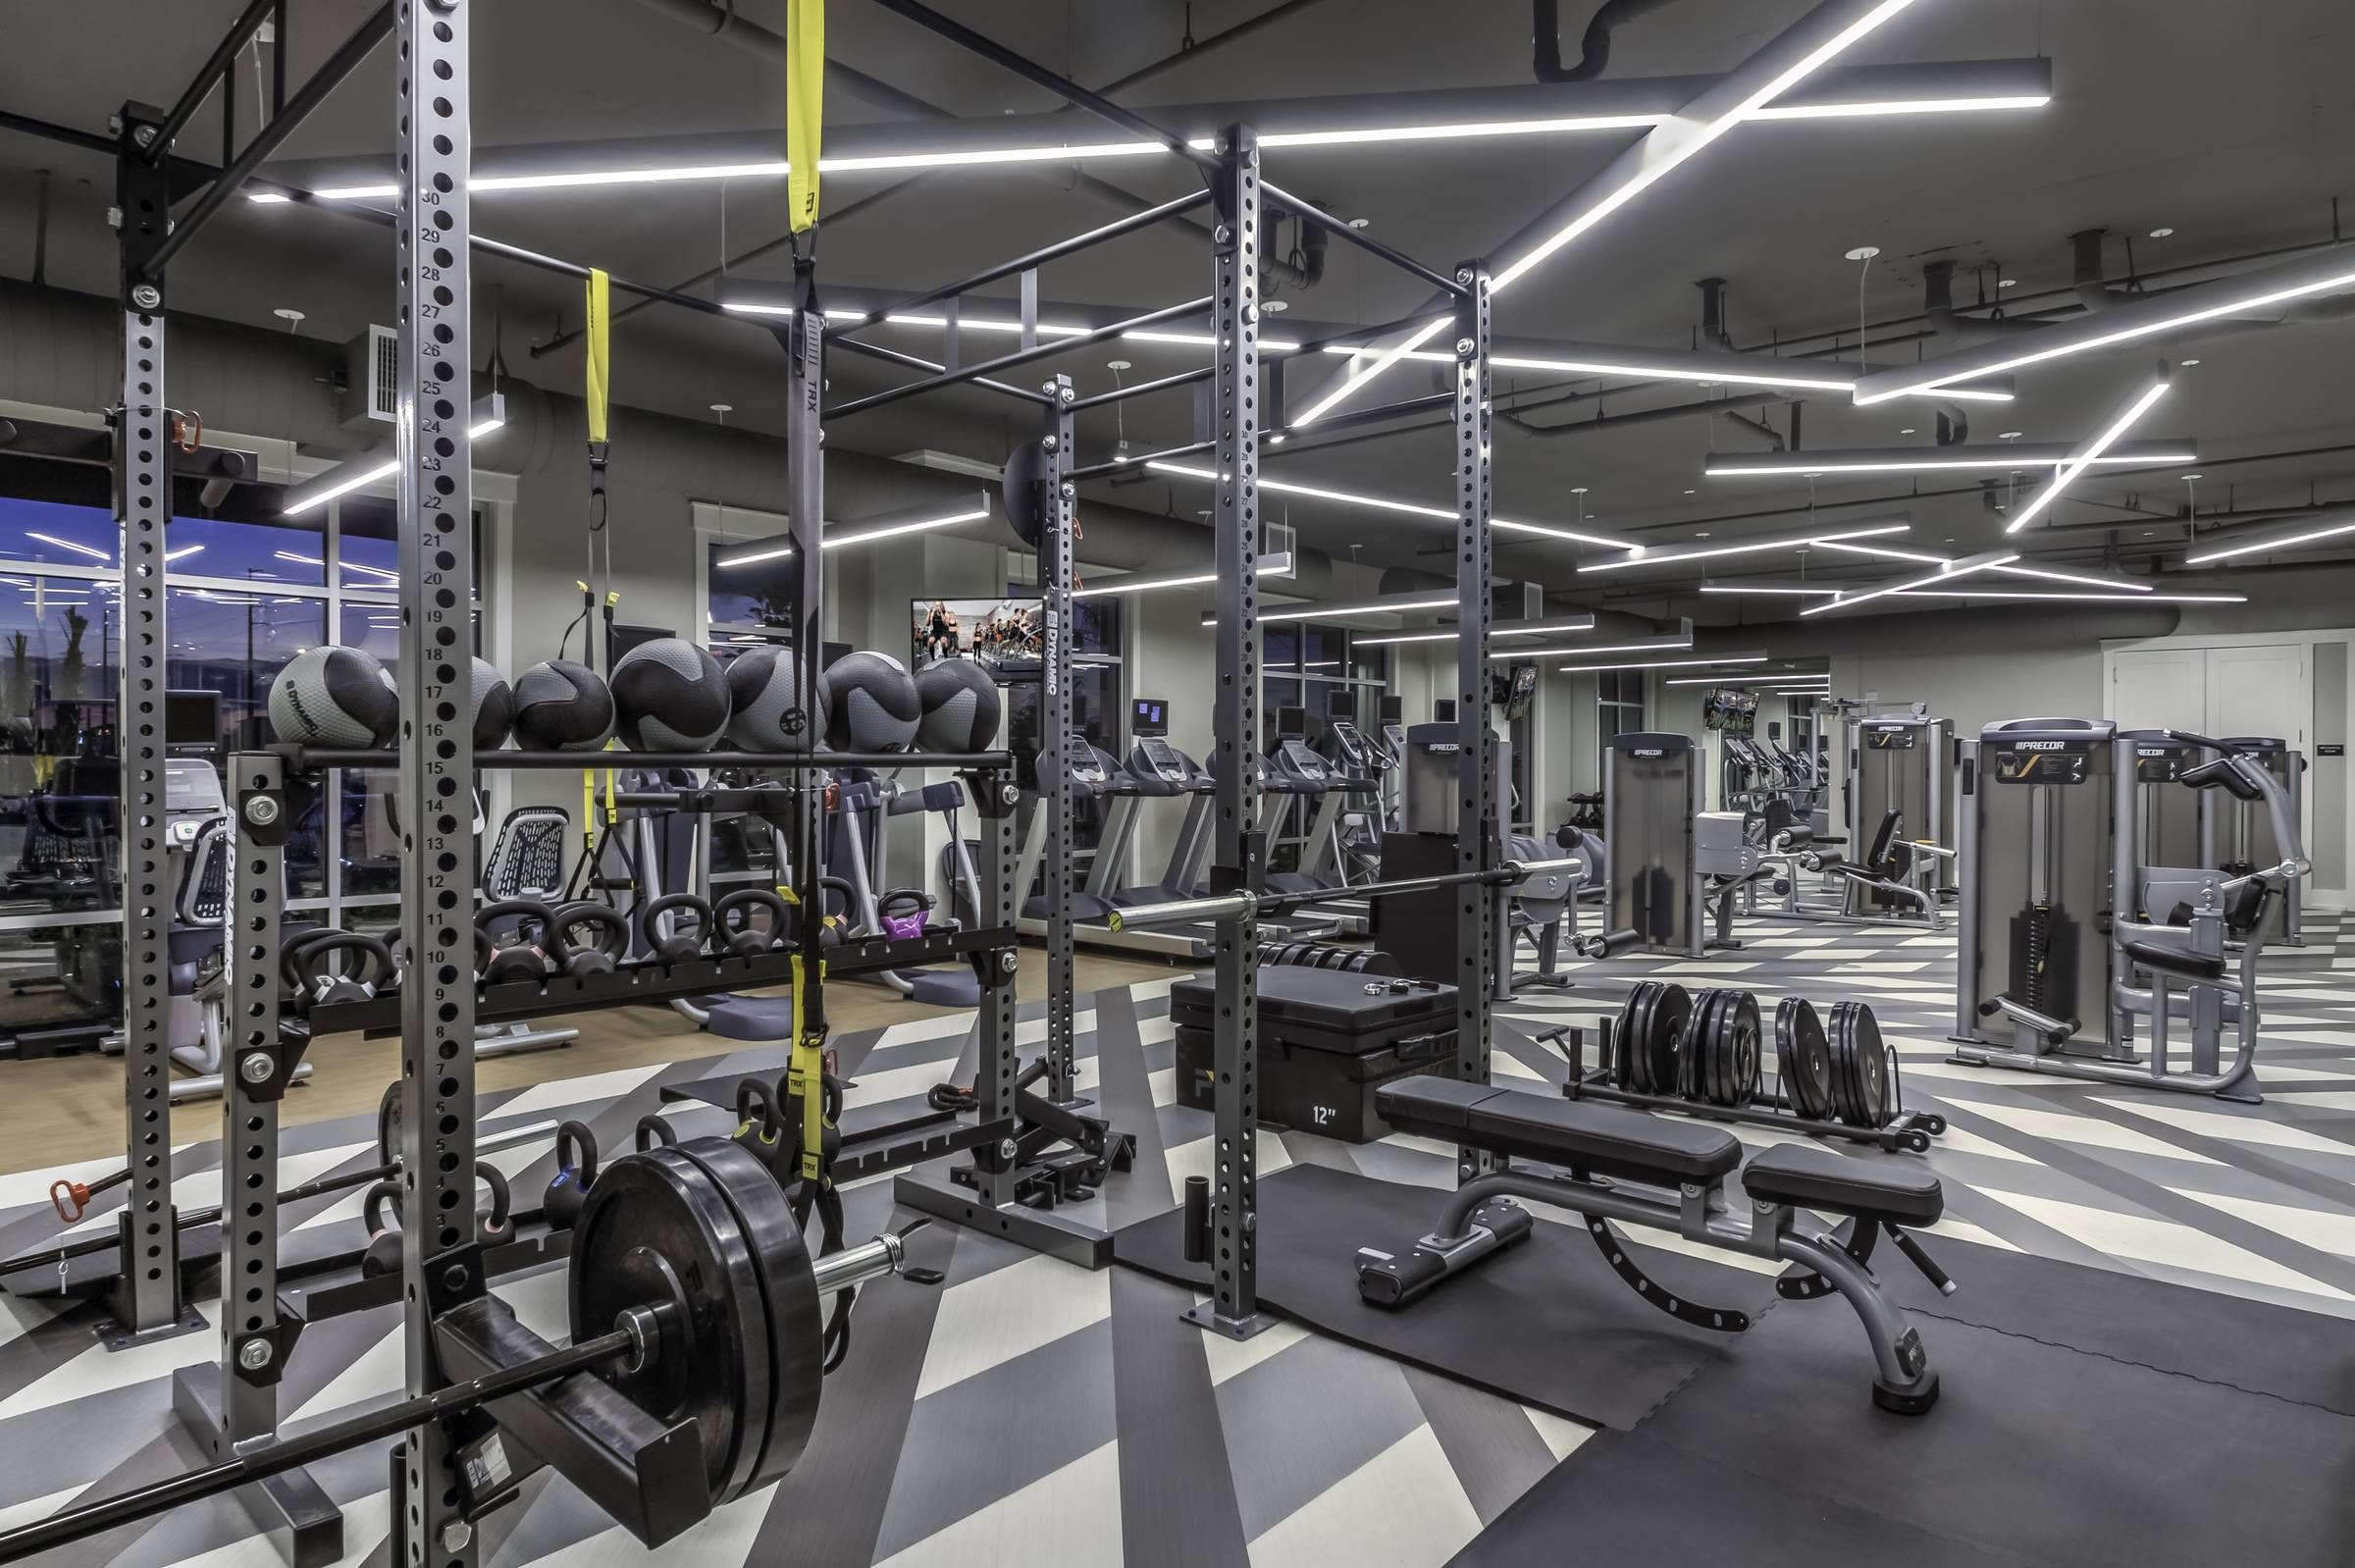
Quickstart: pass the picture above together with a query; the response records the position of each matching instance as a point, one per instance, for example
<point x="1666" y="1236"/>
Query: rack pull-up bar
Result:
<point x="1310" y="213"/>
<point x="1023" y="356"/>
<point x="1063" y="87"/>
<point x="1183" y="378"/>
<point x="1126" y="465"/>
<point x="836" y="331"/>
<point x="346" y="60"/>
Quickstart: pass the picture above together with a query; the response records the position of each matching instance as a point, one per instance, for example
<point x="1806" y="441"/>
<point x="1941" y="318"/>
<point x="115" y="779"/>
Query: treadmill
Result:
<point x="1161" y="772"/>
<point x="1095" y="775"/>
<point x="1294" y="772"/>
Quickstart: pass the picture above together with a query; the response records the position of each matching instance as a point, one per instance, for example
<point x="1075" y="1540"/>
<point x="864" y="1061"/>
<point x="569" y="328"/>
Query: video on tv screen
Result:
<point x="1730" y="709"/>
<point x="1006" y="635"/>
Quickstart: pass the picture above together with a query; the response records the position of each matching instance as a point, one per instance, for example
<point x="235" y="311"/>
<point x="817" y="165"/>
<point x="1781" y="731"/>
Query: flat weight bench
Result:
<point x="1603" y="1145"/>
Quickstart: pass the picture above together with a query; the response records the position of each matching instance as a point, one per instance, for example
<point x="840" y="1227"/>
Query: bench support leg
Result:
<point x="1905" y="1384"/>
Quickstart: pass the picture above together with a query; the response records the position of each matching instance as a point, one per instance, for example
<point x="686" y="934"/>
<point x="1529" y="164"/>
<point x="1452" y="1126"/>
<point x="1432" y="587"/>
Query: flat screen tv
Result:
<point x="1006" y="635"/>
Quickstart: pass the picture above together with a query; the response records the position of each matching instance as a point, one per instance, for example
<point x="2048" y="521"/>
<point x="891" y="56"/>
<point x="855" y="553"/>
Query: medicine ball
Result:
<point x="334" y="695"/>
<point x="562" y="706"/>
<point x="869" y="702"/>
<point x="669" y="696"/>
<point x="760" y="691"/>
<point x="494" y="706"/>
<point x="961" y="707"/>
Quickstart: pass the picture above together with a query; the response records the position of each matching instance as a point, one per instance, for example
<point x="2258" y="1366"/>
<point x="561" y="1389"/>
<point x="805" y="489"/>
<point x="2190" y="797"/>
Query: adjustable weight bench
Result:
<point x="1612" y="1152"/>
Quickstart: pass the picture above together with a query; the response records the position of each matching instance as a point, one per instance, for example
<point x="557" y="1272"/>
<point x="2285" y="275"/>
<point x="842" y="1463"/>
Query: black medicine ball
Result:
<point x="669" y="696"/>
<point x="334" y="695"/>
<point x="961" y="707"/>
<point x="494" y="706"/>
<point x="761" y="695"/>
<point x="870" y="703"/>
<point x="562" y="706"/>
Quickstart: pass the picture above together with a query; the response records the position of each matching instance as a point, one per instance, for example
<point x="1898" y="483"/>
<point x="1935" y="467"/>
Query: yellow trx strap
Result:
<point x="599" y="354"/>
<point x="806" y="1076"/>
<point x="804" y="105"/>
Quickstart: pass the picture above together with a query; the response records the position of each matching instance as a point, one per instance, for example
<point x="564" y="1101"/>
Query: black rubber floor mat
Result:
<point x="2049" y="1454"/>
<point x="2254" y="1345"/>
<point x="1545" y="1322"/>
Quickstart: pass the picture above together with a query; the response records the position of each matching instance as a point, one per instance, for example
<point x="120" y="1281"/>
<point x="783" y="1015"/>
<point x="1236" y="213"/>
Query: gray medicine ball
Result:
<point x="669" y="696"/>
<point x="961" y="707"/>
<point x="760" y="692"/>
<point x="494" y="706"/>
<point x="562" y="706"/>
<point x="869" y="702"/>
<point x="335" y="695"/>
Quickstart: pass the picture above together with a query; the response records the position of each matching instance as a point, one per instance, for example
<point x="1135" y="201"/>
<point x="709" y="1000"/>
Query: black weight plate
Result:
<point x="1623" y="1036"/>
<point x="1803" y="1057"/>
<point x="1639" y="1044"/>
<point x="1693" y="1050"/>
<point x="1844" y="1071"/>
<point x="1671" y="1014"/>
<point x="796" y="1317"/>
<point x="656" y="1230"/>
<point x="1870" y="1054"/>
<point x="1734" y="1051"/>
<point x="388" y="1123"/>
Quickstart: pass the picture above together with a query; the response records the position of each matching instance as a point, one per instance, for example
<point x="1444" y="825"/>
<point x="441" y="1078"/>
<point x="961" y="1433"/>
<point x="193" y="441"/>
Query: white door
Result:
<point x="2260" y="691"/>
<point x="2162" y="688"/>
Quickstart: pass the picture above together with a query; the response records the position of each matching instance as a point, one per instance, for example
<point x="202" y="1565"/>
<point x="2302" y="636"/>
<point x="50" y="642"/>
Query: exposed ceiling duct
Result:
<point x="1595" y="47"/>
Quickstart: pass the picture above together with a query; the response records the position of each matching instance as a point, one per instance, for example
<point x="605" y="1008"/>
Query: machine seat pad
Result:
<point x="2185" y="965"/>
<point x="1806" y="1176"/>
<point x="1585" y="1134"/>
<point x="762" y="1020"/>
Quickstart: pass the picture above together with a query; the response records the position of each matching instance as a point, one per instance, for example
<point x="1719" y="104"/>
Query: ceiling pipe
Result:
<point x="1759" y="426"/>
<point x="1594" y="49"/>
<point x="1654" y="416"/>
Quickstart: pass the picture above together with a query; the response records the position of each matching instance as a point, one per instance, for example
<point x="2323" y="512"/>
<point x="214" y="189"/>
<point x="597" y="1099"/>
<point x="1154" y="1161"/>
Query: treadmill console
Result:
<point x="1163" y="760"/>
<point x="1300" y="761"/>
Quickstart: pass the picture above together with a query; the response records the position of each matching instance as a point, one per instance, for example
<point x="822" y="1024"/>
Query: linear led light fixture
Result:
<point x="1702" y="366"/>
<point x="1384" y="503"/>
<point x="1884" y="551"/>
<point x="771" y="299"/>
<point x="489" y="413"/>
<point x="1792" y="588"/>
<point x="1794" y="541"/>
<point x="867" y="529"/>
<point x="2289" y="536"/>
<point x="2091" y="452"/>
<point x="1666" y="663"/>
<point x="1642" y="645"/>
<point x="1136" y="583"/>
<point x="2030" y="596"/>
<point x="1554" y="625"/>
<point x="1985" y="561"/>
<point x="2128" y="585"/>
<point x="1935" y="459"/>
<point x="1396" y="604"/>
<point x="1747" y="680"/>
<point x="2322" y="272"/>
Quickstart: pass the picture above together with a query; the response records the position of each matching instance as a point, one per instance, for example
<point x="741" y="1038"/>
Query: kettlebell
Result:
<point x="655" y="1133"/>
<point x="757" y="1130"/>
<point x="576" y="1169"/>
<point x="604" y="954"/>
<point x="677" y="947"/>
<point x="382" y="1211"/>
<point x="748" y="939"/>
<point x="497" y="1227"/>
<point x="525" y="959"/>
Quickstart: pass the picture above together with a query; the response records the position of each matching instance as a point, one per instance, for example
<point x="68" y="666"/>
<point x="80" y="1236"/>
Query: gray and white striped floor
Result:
<point x="1032" y="1413"/>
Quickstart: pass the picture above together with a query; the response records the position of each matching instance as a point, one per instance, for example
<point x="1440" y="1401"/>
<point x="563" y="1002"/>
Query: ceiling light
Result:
<point x="1274" y="307"/>
<point x="1669" y="557"/>
<point x="1747" y="680"/>
<point x="489" y="412"/>
<point x="1908" y="430"/>
<point x="1933" y="459"/>
<point x="1447" y="634"/>
<point x="2289" y="536"/>
<point x="1399" y="605"/>
<point x="2027" y="596"/>
<point x="1646" y="645"/>
<point x="2161" y="234"/>
<point x="182" y="553"/>
<point x="106" y="556"/>
<point x="2007" y="282"/>
<point x="2009" y="434"/>
<point x="2187" y="363"/>
<point x="1864" y="252"/>
<point x="1361" y="222"/>
<point x="2191" y="476"/>
<point x="2322" y="272"/>
<point x="866" y="530"/>
<point x="1794" y="589"/>
<point x="2090" y="453"/>
<point x="2085" y="579"/>
<point x="1704" y="366"/>
<point x="1951" y="571"/>
<point x="1885" y="551"/>
<point x="1409" y="509"/>
<point x="1667" y="663"/>
<point x="1134" y="584"/>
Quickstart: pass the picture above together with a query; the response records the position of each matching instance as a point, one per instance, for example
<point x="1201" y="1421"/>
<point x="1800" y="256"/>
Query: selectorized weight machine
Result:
<point x="1671" y="870"/>
<point x="2064" y="924"/>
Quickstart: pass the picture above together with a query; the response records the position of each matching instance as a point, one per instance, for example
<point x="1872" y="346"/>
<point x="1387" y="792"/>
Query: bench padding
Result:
<point x="1585" y="1134"/>
<point x="1806" y="1176"/>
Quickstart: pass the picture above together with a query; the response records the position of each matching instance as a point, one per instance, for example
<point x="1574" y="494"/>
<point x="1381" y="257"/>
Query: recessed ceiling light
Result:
<point x="2147" y="534"/>
<point x="2187" y="361"/>
<point x="2194" y="476"/>
<point x="1274" y="307"/>
<point x="1116" y="364"/>
<point x="724" y="408"/>
<point x="1908" y="430"/>
<point x="2007" y="435"/>
<point x="2007" y="282"/>
<point x="1864" y="252"/>
<point x="1577" y="490"/>
<point x="1690" y="492"/>
<point x="1361" y="222"/>
<point x="2161" y="234"/>
<point x="1701" y="536"/>
<point x="289" y="315"/>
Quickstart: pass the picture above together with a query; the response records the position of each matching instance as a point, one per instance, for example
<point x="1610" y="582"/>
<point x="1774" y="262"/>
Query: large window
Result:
<point x="246" y="590"/>
<point x="1619" y="707"/>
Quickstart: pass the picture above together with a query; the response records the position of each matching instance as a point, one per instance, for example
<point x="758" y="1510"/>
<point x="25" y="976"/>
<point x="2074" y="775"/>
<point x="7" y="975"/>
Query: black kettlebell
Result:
<point x="497" y="1227"/>
<point x="525" y="959"/>
<point x="602" y="955"/>
<point x="677" y="947"/>
<point x="382" y="1211"/>
<point x="655" y="1133"/>
<point x="576" y="1169"/>
<point x="748" y="939"/>
<point x="787" y="1162"/>
<point x="756" y="1128"/>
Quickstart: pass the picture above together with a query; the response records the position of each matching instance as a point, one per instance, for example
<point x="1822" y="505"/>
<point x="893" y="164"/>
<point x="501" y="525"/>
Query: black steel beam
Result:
<point x="1309" y="212"/>
<point x="1127" y="465"/>
<point x="314" y="92"/>
<point x="1023" y="356"/>
<point x="1070" y="91"/>
<point x="200" y="87"/>
<point x="1119" y="395"/>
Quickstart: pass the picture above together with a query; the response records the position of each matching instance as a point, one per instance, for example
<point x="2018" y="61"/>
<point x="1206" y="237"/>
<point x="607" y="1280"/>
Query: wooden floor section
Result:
<point x="65" y="1108"/>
